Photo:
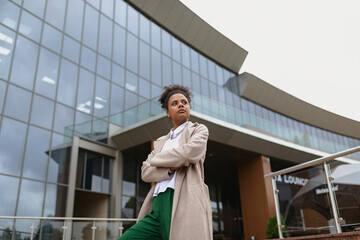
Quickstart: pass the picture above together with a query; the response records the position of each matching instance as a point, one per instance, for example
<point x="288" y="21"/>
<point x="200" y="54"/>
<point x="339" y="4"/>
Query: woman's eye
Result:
<point x="174" y="103"/>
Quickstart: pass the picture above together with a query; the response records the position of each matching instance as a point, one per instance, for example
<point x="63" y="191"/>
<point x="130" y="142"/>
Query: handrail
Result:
<point x="314" y="162"/>
<point x="71" y="218"/>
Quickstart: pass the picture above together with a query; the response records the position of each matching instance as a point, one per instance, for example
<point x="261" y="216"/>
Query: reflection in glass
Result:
<point x="67" y="83"/>
<point x="42" y="112"/>
<point x="155" y="66"/>
<point x="119" y="45"/>
<point x="155" y="36"/>
<point x="90" y="27"/>
<point x="24" y="65"/>
<point x="36" y="153"/>
<point x="107" y="7"/>
<point x="82" y="125"/>
<point x="17" y="103"/>
<point x="36" y="191"/>
<point x="47" y="73"/>
<point x="155" y="91"/>
<point x="100" y="129"/>
<point x="131" y="81"/>
<point x="144" y="63"/>
<point x="166" y="42"/>
<point x="23" y="228"/>
<point x="144" y="88"/>
<point x="132" y="52"/>
<point x="55" y="12"/>
<point x="71" y="49"/>
<point x="105" y="36"/>
<point x="185" y="55"/>
<point x="51" y="230"/>
<point x="64" y="118"/>
<point x="176" y="54"/>
<point x="176" y="73"/>
<point x="166" y="71"/>
<point x="51" y="38"/>
<point x="133" y="20"/>
<point x="30" y="26"/>
<point x="95" y="3"/>
<point x="59" y="159"/>
<point x="194" y="60"/>
<point x="12" y="142"/>
<point x="35" y="6"/>
<point x="103" y="67"/>
<point x="7" y="38"/>
<point x="74" y="19"/>
<point x="9" y="188"/>
<point x="88" y="58"/>
<point x="9" y="14"/>
<point x="130" y="100"/>
<point x="101" y="103"/>
<point x="116" y="104"/>
<point x="118" y="75"/>
<point x="2" y="94"/>
<point x="144" y="29"/>
<point x="55" y="201"/>
<point x="85" y="92"/>
<point x="120" y="12"/>
<point x="186" y="77"/>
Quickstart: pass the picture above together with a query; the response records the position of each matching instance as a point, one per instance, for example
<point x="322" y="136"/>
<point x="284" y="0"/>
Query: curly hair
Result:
<point x="171" y="90"/>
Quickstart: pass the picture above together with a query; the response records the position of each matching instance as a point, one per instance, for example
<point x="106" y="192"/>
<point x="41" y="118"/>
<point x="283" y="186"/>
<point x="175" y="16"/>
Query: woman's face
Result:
<point x="178" y="109"/>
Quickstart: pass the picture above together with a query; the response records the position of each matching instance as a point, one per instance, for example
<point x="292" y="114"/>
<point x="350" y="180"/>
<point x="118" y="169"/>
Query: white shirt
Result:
<point x="172" y="142"/>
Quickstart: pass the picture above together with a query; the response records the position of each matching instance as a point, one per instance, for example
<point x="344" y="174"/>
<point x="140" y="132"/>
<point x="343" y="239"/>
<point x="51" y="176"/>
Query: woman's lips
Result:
<point x="181" y="111"/>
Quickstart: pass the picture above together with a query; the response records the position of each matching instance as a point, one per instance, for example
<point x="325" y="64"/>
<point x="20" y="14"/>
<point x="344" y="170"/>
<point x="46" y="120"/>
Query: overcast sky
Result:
<point x="308" y="48"/>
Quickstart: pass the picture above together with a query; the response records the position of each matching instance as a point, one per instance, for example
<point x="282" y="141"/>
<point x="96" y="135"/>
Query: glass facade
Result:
<point x="75" y="67"/>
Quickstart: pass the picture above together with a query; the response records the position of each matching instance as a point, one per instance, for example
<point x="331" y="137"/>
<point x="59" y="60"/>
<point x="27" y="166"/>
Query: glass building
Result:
<point x="79" y="82"/>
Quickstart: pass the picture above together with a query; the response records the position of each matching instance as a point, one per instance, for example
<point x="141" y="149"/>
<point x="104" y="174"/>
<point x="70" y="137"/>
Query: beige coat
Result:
<point x="191" y="213"/>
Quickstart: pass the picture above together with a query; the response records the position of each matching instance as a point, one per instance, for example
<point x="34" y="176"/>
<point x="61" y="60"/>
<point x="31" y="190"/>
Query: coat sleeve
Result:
<point x="151" y="173"/>
<point x="186" y="154"/>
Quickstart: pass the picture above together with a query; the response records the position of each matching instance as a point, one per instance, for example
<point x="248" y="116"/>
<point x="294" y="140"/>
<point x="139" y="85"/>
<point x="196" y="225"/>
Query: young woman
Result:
<point x="178" y="205"/>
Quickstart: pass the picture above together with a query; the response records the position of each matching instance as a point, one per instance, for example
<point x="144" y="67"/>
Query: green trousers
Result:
<point x="155" y="225"/>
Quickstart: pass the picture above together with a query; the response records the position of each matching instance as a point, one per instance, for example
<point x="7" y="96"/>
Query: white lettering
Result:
<point x="326" y="190"/>
<point x="292" y="180"/>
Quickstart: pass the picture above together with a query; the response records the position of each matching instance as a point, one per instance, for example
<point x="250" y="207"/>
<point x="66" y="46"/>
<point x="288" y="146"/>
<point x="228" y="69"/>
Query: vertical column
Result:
<point x="257" y="202"/>
<point x="117" y="176"/>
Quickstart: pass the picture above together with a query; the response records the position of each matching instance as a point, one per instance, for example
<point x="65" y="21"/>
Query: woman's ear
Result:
<point x="167" y="113"/>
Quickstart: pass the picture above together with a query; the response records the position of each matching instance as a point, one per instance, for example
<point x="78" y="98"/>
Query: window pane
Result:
<point x="205" y="87"/>
<point x="101" y="106"/>
<point x="176" y="49"/>
<point x="9" y="188"/>
<point x="90" y="27"/>
<point x="51" y="38"/>
<point x="17" y="103"/>
<point x="195" y="83"/>
<point x="85" y="92"/>
<point x="118" y="75"/>
<point x="95" y="3"/>
<point x="155" y="66"/>
<point x="107" y="175"/>
<point x="30" y="26"/>
<point x="213" y="92"/>
<point x="186" y="77"/>
<point x="55" y="13"/>
<point x="132" y="53"/>
<point x="203" y="66"/>
<point x="6" y="48"/>
<point x="144" y="60"/>
<point x="119" y="45"/>
<point x="166" y="42"/>
<point x="35" y="6"/>
<point x="131" y="81"/>
<point x="133" y="20"/>
<point x="74" y="19"/>
<point x="166" y="73"/>
<point x="67" y="83"/>
<point x="219" y="76"/>
<point x="42" y="112"/>
<point x="176" y="73"/>
<point x="64" y="118"/>
<point x="24" y="64"/>
<point x="12" y="142"/>
<point x="47" y="73"/>
<point x="144" y="88"/>
<point x="117" y="99"/>
<point x="36" y="153"/>
<point x="9" y="14"/>
<point x="194" y="61"/>
<point x="212" y="74"/>
<point x="144" y="29"/>
<point x="103" y="67"/>
<point x="2" y="94"/>
<point x="105" y="36"/>
<point x="60" y="159"/>
<point x="120" y="12"/>
<point x="36" y="191"/>
<point x="155" y="36"/>
<point x="155" y="91"/>
<point x="82" y="125"/>
<point x="107" y="7"/>
<point x="100" y="129"/>
<point x="71" y="49"/>
<point x="55" y="201"/>
<point x="93" y="172"/>
<point x="130" y="100"/>
<point x="88" y="58"/>
<point x="185" y="58"/>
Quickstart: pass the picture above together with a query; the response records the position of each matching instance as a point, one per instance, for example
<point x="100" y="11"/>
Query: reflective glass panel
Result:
<point x="85" y="92"/>
<point x="36" y="153"/>
<point x="186" y="77"/>
<point x="93" y="172"/>
<point x="59" y="163"/>
<point x="195" y="82"/>
<point x="166" y="42"/>
<point x="51" y="38"/>
<point x="144" y="88"/>
<point x="88" y="58"/>
<point x="101" y="104"/>
<point x="105" y="36"/>
<point x="71" y="49"/>
<point x="176" y="77"/>
<point x="64" y="118"/>
<point x="35" y="6"/>
<point x="144" y="29"/>
<point x="12" y="142"/>
<point x="130" y="100"/>
<point x="9" y="14"/>
<point x="132" y="52"/>
<point x="176" y="53"/>
<point x="131" y="81"/>
<point x="36" y="191"/>
<point x="118" y="74"/>
<point x="100" y="129"/>
<point x="107" y="7"/>
<point x="166" y="70"/>
<point x="95" y="3"/>
<point x="9" y="187"/>
<point x="82" y="125"/>
<point x="155" y="91"/>
<point x="47" y="73"/>
<point x="90" y="27"/>
<point x="67" y="83"/>
<point x="219" y="75"/>
<point x="144" y="63"/>
<point x="42" y="112"/>
<point x="7" y="38"/>
<point x="211" y="69"/>
<point x="24" y="65"/>
<point x="55" y="201"/>
<point x="119" y="45"/>
<point x="205" y="88"/>
<point x="17" y="103"/>
<point x="103" y="67"/>
<point x="120" y="12"/>
<point x="203" y="66"/>
<point x="2" y="94"/>
<point x="194" y="61"/>
<point x="155" y="66"/>
<point x="117" y="101"/>
<point x="133" y="20"/>
<point x="185" y="55"/>
<point x="30" y="26"/>
<point x="55" y="13"/>
<point x="155" y="36"/>
<point x="74" y="18"/>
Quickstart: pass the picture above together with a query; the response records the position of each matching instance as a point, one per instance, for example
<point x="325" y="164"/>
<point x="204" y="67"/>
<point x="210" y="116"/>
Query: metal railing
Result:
<point x="67" y="229"/>
<point x="329" y="179"/>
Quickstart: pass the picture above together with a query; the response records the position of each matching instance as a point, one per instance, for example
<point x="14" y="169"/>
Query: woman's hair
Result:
<point x="171" y="90"/>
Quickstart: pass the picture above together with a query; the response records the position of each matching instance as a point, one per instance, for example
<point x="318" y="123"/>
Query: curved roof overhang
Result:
<point x="180" y="21"/>
<point x="221" y="132"/>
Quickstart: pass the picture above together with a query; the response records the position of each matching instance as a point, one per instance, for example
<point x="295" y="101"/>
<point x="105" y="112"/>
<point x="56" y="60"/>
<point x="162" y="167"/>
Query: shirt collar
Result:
<point x="178" y="130"/>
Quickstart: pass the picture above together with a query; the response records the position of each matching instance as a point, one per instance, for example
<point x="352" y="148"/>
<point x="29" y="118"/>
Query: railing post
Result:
<point x="64" y="227"/>
<point x="121" y="228"/>
<point x="93" y="230"/>
<point x="277" y="207"/>
<point x="332" y="198"/>
<point x="32" y="230"/>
